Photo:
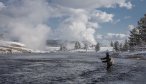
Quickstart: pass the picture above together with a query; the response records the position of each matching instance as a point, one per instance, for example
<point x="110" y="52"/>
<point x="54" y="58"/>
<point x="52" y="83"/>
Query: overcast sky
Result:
<point x="90" y="20"/>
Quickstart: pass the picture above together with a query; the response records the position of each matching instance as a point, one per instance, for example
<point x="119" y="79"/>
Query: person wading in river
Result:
<point x="107" y="60"/>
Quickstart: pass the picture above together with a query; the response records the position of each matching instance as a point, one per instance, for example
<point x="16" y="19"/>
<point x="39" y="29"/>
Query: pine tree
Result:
<point x="120" y="47"/>
<point x="97" y="47"/>
<point x="63" y="47"/>
<point x="138" y="34"/>
<point x="112" y="44"/>
<point x="116" y="46"/>
<point x="77" y="45"/>
<point x="126" y="46"/>
<point x="85" y="46"/>
<point x="142" y="28"/>
<point x="134" y="38"/>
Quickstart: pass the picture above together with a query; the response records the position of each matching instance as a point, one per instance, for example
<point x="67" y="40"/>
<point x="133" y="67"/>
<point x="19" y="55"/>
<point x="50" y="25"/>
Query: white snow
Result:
<point x="12" y="47"/>
<point x="10" y="43"/>
<point x="106" y="49"/>
<point x="52" y="49"/>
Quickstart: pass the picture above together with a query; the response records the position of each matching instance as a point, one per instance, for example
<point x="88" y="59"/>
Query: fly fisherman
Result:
<point x="107" y="60"/>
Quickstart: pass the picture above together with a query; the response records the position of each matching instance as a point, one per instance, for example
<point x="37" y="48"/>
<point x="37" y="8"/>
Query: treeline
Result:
<point x="137" y="36"/>
<point x="77" y="45"/>
<point x="117" y="46"/>
<point x="80" y="45"/>
<point x="136" y="39"/>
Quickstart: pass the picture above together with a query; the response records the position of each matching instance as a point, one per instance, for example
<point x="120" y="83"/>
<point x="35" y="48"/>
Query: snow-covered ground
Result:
<point x="13" y="47"/>
<point x="69" y="68"/>
<point x="16" y="47"/>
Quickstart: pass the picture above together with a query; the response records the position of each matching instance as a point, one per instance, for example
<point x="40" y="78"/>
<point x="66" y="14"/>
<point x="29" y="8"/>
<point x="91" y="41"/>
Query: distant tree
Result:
<point x="126" y="46"/>
<point x="116" y="46"/>
<point x="134" y="38"/>
<point x="97" y="47"/>
<point x="77" y="45"/>
<point x="85" y="46"/>
<point x="120" y="47"/>
<point x="63" y="47"/>
<point x="112" y="44"/>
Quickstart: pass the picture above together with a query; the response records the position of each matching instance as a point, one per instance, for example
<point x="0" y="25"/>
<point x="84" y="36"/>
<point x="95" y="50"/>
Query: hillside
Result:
<point x="13" y="47"/>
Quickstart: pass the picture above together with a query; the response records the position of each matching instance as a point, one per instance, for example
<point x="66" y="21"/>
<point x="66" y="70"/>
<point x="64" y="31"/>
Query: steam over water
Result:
<point x="27" y="21"/>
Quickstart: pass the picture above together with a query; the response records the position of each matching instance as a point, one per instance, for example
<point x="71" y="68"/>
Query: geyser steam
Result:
<point x="25" y="20"/>
<point x="28" y="21"/>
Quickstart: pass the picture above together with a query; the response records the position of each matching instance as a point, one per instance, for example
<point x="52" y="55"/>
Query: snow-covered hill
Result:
<point x="13" y="47"/>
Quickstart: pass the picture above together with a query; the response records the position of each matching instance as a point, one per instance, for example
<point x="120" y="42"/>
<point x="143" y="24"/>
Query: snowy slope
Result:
<point x="12" y="47"/>
<point x="102" y="49"/>
<point x="9" y="43"/>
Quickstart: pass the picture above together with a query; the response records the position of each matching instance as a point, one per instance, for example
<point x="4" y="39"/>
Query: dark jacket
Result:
<point x="107" y="60"/>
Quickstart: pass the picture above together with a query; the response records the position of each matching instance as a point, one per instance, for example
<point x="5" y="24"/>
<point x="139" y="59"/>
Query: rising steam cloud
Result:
<point x="77" y="27"/>
<point x="28" y="21"/>
<point x="24" y="20"/>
